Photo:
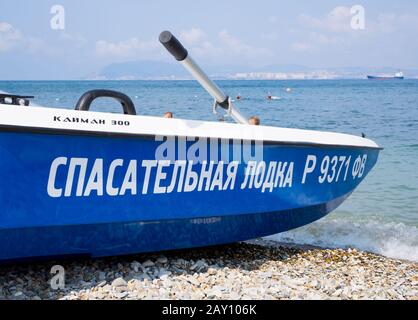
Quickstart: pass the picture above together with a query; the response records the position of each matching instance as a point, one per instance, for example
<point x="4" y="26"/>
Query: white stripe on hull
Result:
<point x="49" y="118"/>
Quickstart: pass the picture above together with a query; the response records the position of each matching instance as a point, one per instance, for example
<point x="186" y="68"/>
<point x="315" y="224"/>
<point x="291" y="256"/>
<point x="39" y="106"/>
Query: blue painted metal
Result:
<point x="385" y="78"/>
<point x="35" y="225"/>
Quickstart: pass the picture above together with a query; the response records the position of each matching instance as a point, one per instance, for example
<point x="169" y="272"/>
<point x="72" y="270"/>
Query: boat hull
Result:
<point x="65" y="194"/>
<point x="124" y="238"/>
<point x="384" y="78"/>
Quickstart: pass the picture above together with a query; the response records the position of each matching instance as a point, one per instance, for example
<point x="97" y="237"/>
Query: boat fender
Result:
<point x="87" y="99"/>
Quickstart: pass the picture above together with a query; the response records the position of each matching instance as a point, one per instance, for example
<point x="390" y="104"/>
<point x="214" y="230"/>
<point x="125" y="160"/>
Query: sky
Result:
<point x="96" y="33"/>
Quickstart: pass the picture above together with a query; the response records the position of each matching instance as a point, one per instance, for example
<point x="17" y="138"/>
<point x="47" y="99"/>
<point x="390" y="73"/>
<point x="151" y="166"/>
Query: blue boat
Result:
<point x="397" y="76"/>
<point x="82" y="183"/>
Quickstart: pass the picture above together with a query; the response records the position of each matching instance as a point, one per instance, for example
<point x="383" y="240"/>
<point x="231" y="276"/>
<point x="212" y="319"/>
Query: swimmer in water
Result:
<point x="254" y="121"/>
<point x="168" y="115"/>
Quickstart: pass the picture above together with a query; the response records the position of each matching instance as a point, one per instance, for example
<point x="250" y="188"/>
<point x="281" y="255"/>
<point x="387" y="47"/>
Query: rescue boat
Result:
<point x="83" y="183"/>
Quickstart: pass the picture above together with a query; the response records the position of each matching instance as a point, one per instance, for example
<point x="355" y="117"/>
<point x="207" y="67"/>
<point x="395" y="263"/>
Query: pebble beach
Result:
<point x="252" y="270"/>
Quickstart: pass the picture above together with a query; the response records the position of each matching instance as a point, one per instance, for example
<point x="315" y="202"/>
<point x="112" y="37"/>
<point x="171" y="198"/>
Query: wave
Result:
<point x="393" y="240"/>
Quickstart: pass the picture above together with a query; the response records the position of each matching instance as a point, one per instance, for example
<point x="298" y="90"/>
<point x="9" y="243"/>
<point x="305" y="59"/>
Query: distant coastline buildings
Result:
<point x="156" y="70"/>
<point x="319" y="75"/>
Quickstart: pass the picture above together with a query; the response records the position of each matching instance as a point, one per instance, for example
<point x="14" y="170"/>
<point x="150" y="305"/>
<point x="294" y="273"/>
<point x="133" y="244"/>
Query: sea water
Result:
<point x="381" y="216"/>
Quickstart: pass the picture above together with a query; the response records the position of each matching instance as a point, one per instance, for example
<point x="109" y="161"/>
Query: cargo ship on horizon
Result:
<point x="398" y="76"/>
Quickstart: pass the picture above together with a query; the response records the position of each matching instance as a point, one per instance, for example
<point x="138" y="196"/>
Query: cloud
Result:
<point x="337" y="20"/>
<point x="193" y="36"/>
<point x="234" y="46"/>
<point x="222" y="46"/>
<point x="384" y="34"/>
<point x="269" y="36"/>
<point x="318" y="40"/>
<point x="301" y="46"/>
<point x="13" y="39"/>
<point x="133" y="47"/>
<point x="333" y="29"/>
<point x="273" y="19"/>
<point x="409" y="20"/>
<point x="77" y="41"/>
<point x="10" y="37"/>
<point x="392" y="23"/>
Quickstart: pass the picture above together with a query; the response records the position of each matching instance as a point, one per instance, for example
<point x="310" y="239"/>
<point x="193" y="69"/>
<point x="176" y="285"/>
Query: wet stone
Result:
<point x="253" y="270"/>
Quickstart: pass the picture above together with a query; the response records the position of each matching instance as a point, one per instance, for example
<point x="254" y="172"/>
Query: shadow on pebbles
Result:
<point x="251" y="270"/>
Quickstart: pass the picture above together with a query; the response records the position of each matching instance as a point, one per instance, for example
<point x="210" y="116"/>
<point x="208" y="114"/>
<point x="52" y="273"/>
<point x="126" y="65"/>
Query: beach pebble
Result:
<point x="212" y="271"/>
<point x="199" y="266"/>
<point x="119" y="282"/>
<point x="135" y="266"/>
<point x="148" y="264"/>
<point x="102" y="276"/>
<point x="120" y="295"/>
<point x="252" y="270"/>
<point x="162" y="260"/>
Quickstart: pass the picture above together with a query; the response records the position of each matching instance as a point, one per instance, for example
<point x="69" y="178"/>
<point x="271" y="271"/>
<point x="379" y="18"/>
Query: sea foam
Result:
<point x="393" y="240"/>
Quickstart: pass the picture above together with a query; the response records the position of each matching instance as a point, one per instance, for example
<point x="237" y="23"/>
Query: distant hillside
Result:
<point x="150" y="70"/>
<point x="164" y="70"/>
<point x="143" y="70"/>
<point x="287" y="68"/>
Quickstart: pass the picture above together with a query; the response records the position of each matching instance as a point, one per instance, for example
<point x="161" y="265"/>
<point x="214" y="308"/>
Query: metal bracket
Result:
<point x="215" y="106"/>
<point x="15" y="99"/>
<point x="228" y="111"/>
<point x="229" y="106"/>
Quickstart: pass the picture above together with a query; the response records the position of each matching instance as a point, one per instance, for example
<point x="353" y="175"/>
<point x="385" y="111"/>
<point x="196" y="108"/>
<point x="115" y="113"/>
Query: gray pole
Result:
<point x="174" y="46"/>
